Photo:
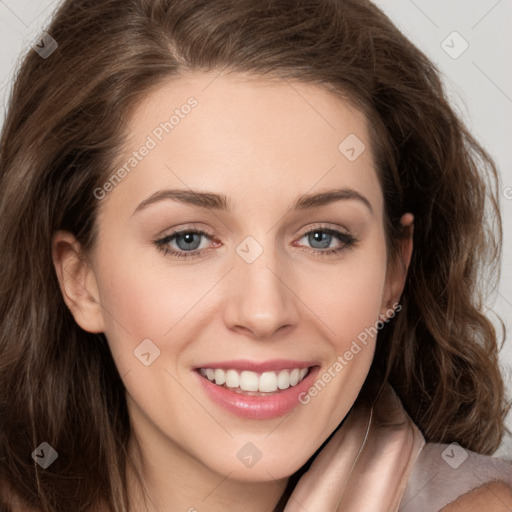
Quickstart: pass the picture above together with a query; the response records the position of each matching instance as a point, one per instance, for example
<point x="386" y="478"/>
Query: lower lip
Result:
<point x="258" y="407"/>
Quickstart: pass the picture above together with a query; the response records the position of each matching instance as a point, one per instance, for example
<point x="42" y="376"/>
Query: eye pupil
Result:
<point x="188" y="238"/>
<point x="322" y="237"/>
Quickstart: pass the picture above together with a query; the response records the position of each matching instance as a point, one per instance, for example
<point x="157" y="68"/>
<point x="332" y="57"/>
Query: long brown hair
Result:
<point x="64" y="131"/>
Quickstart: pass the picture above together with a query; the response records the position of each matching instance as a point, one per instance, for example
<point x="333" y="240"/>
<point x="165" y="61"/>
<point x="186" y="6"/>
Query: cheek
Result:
<point x="140" y="303"/>
<point x="348" y="296"/>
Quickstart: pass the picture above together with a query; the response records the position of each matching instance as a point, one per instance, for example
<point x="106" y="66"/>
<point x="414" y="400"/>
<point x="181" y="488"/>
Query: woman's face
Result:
<point x="283" y="278"/>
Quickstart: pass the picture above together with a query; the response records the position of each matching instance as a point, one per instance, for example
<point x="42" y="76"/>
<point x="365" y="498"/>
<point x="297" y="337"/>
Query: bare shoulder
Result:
<point x="495" y="496"/>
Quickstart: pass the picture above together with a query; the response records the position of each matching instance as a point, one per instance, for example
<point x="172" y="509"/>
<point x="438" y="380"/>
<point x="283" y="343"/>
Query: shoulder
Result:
<point x="495" y="496"/>
<point x="447" y="476"/>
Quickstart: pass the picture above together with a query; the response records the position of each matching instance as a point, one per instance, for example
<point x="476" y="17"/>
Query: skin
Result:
<point x="262" y="144"/>
<point x="495" y="496"/>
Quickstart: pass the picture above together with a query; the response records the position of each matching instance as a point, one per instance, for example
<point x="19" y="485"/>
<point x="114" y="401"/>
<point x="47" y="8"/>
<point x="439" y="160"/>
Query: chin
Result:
<point x="252" y="465"/>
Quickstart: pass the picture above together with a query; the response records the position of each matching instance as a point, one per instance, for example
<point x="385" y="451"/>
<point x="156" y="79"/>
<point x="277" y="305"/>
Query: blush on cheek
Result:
<point x="350" y="307"/>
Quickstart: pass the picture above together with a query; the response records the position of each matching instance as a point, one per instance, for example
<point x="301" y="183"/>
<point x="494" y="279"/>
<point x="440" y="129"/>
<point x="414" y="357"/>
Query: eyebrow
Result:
<point x="212" y="201"/>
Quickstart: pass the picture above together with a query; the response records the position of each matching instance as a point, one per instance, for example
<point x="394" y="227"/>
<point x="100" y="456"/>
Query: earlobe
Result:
<point x="77" y="282"/>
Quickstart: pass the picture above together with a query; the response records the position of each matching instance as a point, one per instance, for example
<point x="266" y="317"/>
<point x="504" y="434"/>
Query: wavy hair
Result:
<point x="63" y="132"/>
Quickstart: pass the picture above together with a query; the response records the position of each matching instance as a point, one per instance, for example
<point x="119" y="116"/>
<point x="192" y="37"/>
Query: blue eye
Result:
<point x="325" y="236"/>
<point x="189" y="240"/>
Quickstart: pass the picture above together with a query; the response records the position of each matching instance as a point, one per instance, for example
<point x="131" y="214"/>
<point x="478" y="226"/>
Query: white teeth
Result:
<point x="266" y="382"/>
<point x="283" y="379"/>
<point x="249" y="381"/>
<point x="220" y="377"/>
<point x="232" y="379"/>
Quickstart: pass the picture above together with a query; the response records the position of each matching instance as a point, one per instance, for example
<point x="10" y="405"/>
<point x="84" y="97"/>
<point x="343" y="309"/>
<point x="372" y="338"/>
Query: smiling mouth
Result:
<point x="253" y="383"/>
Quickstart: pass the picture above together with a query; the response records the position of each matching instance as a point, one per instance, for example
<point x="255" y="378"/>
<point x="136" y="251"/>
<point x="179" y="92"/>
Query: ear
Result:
<point x="397" y="270"/>
<point x="77" y="282"/>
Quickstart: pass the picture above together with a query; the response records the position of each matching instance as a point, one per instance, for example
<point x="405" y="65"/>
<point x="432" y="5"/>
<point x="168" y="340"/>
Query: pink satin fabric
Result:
<point x="378" y="461"/>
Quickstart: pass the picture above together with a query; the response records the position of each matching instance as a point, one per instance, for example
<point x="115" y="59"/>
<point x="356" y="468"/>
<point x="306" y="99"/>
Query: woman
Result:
<point x="172" y="336"/>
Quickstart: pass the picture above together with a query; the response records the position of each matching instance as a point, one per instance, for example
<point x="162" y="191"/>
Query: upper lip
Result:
<point x="258" y="367"/>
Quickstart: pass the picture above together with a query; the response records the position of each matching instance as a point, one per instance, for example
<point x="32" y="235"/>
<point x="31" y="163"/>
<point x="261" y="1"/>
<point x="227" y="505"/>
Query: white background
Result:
<point x="479" y="83"/>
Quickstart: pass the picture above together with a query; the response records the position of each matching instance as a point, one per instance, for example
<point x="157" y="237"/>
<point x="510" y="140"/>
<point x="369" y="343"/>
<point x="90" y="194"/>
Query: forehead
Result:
<point x="247" y="137"/>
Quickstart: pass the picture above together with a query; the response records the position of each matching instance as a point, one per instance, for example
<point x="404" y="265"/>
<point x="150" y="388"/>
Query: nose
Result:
<point x="261" y="300"/>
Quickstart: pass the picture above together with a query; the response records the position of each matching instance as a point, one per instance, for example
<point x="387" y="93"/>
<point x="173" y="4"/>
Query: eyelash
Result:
<point x="162" y="244"/>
